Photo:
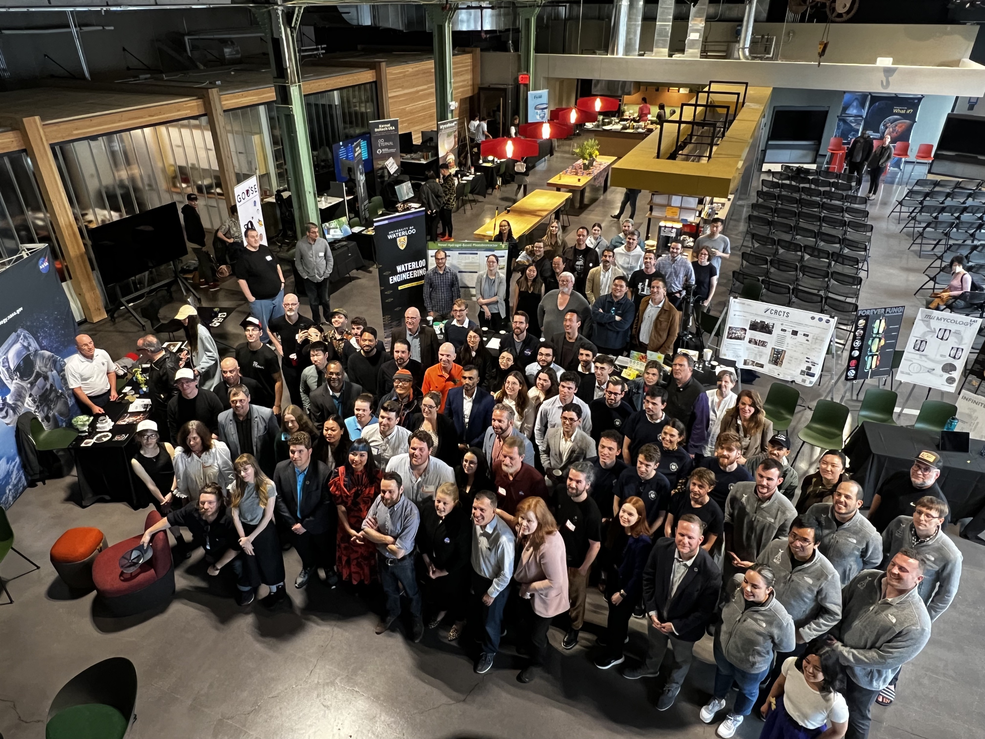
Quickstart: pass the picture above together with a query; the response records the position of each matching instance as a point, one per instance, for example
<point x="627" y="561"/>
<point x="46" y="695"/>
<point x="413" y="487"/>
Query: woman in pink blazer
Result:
<point x="542" y="576"/>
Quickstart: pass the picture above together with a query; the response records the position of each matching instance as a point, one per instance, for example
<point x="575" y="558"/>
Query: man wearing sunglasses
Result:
<point x="898" y="494"/>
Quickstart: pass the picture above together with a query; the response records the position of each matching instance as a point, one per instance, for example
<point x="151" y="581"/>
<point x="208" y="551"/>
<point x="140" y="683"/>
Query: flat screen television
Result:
<point x="138" y="243"/>
<point x="963" y="134"/>
<point x="345" y="150"/>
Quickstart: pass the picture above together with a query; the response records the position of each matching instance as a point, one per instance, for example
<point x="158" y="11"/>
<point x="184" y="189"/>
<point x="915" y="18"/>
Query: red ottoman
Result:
<point x="150" y="585"/>
<point x="73" y="554"/>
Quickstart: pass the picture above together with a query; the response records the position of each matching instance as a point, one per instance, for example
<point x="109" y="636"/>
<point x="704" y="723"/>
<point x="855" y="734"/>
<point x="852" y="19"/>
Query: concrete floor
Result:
<point x="209" y="669"/>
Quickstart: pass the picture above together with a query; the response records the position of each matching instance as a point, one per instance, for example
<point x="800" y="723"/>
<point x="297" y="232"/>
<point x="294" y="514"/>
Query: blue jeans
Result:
<point x="746" y="682"/>
<point x="395" y="574"/>
<point x="487" y="618"/>
<point x="266" y="309"/>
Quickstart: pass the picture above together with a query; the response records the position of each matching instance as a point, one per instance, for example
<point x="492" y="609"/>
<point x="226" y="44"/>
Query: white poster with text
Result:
<point x="937" y="349"/>
<point x="248" y="208"/>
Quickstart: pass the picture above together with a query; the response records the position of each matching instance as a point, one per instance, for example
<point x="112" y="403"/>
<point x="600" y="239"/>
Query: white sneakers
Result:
<point x="727" y="728"/>
<point x="711" y="708"/>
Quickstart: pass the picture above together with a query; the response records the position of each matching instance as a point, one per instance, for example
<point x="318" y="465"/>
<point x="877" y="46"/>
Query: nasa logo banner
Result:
<point x="402" y="253"/>
<point x="37" y="335"/>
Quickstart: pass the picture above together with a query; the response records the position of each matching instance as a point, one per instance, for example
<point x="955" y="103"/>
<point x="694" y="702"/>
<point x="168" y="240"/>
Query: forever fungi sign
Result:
<point x="401" y="250"/>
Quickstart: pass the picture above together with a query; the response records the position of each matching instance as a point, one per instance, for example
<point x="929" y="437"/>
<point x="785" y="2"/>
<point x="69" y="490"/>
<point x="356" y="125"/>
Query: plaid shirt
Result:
<point x="441" y="289"/>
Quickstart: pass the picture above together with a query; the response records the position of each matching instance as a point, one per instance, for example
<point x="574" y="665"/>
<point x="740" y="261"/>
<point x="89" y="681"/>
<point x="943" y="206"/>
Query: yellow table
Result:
<point x="574" y="183"/>
<point x="525" y="215"/>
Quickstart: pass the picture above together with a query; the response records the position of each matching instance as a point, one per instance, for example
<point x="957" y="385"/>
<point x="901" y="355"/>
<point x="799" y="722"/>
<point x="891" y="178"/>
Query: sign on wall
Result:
<point x="402" y="253"/>
<point x="537" y="107"/>
<point x="384" y="143"/>
<point x="937" y="349"/>
<point x="786" y="343"/>
<point x="248" y="207"/>
<point x="873" y="341"/>
<point x="894" y="114"/>
<point x="447" y="139"/>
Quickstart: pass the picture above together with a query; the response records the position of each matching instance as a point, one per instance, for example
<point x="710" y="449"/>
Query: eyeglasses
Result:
<point x="922" y="468"/>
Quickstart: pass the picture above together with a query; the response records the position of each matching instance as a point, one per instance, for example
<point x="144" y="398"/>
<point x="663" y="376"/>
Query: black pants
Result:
<point x="445" y="214"/>
<point x="856" y="169"/>
<point x="314" y="549"/>
<point x="494" y="323"/>
<point x="535" y="628"/>
<point x="431" y="224"/>
<point x="875" y="175"/>
<point x="617" y="626"/>
<point x="266" y="565"/>
<point x="318" y="294"/>
<point x="629" y="198"/>
<point x="291" y="376"/>
<point x="449" y="593"/>
<point x="859" y="702"/>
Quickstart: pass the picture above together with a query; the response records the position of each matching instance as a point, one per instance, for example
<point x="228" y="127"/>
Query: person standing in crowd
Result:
<point x="677" y="271"/>
<point x="313" y="376"/>
<point x="339" y="336"/>
<point x="259" y="362"/>
<point x="202" y="350"/>
<point x="819" y="486"/>
<point x="748" y="420"/>
<point x="247" y="428"/>
<point x="386" y="437"/>
<point x="421" y="472"/>
<point x="153" y="464"/>
<point x="580" y="258"/>
<point x="353" y="488"/>
<point x="541" y="577"/>
<point x="859" y="152"/>
<point x="675" y="463"/>
<point x="164" y="363"/>
<point x="228" y="241"/>
<point x="549" y="415"/>
<point x="720" y="401"/>
<point x="441" y="288"/>
<point x="91" y="375"/>
<point x="901" y="490"/>
<point x="443" y="375"/>
<point x="646" y="426"/>
<point x="260" y="278"/>
<point x="444" y="541"/>
<point x="620" y="238"/>
<point x="754" y="627"/>
<point x="681" y="583"/>
<point x="493" y="546"/>
<point x="401" y="360"/>
<point x="362" y="416"/>
<point x="231" y="377"/>
<point x="647" y="484"/>
<point x="422" y="340"/>
<point x="192" y="403"/>
<point x="568" y="343"/>
<point x="778" y="448"/>
<point x="639" y="281"/>
<point x="624" y="582"/>
<point x="314" y="262"/>
<point x="305" y="509"/>
<point x="472" y="475"/>
<point x="332" y="444"/>
<point x="878" y="161"/>
<point x="470" y="408"/>
<point x="643" y="111"/>
<point x="545" y="360"/>
<point x="628" y="198"/>
<point x="606" y="469"/>
<point x="290" y="335"/>
<point x="558" y="303"/>
<point x="336" y="396"/>
<point x="252" y="500"/>
<point x="406" y="396"/>
<point x="657" y="321"/>
<point x="705" y="278"/>
<point x="884" y="625"/>
<point x="599" y="281"/>
<point x="806" y="700"/>
<point x="636" y="389"/>
<point x="527" y="297"/>
<point x="505" y="234"/>
<point x="449" y="199"/>
<point x="513" y="395"/>
<point x="516" y="479"/>
<point x="611" y="411"/>
<point x="364" y="365"/>
<point x="195" y="236"/>
<point x="847" y="538"/>
<point x="490" y="295"/>
<point x="501" y="428"/>
<point x="597" y="241"/>
<point x="628" y="254"/>
<point x="613" y="316"/>
<point x="601" y="371"/>
<point x="719" y="246"/>
<point x="198" y="460"/>
<point x="697" y="503"/>
<point x="565" y="445"/>
<point x="432" y="197"/>
<point x="391" y="525"/>
<point x="459" y="324"/>
<point x="687" y="402"/>
<point x="725" y="467"/>
<point x="439" y="427"/>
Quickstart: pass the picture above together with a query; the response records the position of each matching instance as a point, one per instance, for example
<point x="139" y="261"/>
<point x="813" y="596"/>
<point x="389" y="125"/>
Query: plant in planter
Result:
<point x="587" y="151"/>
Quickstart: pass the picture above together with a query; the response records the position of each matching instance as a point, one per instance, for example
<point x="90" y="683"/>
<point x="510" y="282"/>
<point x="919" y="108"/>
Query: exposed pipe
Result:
<point x="745" y="35"/>
<point x="71" y="29"/>
<point x="78" y="43"/>
<point x="617" y="36"/>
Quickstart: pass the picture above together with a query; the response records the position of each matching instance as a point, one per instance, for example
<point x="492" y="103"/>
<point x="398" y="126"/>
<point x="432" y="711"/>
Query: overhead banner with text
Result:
<point x="384" y="142"/>
<point x="248" y="207"/>
<point x="402" y="253"/>
<point x="37" y="331"/>
<point x="937" y="349"/>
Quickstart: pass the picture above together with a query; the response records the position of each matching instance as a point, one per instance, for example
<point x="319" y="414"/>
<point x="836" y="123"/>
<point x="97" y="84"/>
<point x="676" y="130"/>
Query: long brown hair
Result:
<point x="639" y="528"/>
<point x="546" y="525"/>
<point x="529" y="286"/>
<point x="304" y="423"/>
<point x="732" y="418"/>
<point x="522" y="399"/>
<point x="191" y="334"/>
<point x="261" y="482"/>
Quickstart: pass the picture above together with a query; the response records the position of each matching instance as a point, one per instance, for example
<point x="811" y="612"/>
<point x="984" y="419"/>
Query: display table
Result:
<point x="525" y="215"/>
<point x="575" y="179"/>
<point x="103" y="467"/>
<point x="877" y="450"/>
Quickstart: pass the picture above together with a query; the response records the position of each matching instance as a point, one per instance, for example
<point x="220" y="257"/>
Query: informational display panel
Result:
<point x="786" y="343"/>
<point x="447" y="139"/>
<point x="401" y="250"/>
<point x="937" y="349"/>
<point x="537" y="107"/>
<point x="971" y="414"/>
<point x="873" y="341"/>
<point x="248" y="207"/>
<point x="468" y="259"/>
<point x="384" y="142"/>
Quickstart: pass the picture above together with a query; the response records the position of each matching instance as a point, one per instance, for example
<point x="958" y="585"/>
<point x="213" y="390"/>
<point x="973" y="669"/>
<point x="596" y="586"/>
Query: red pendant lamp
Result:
<point x="597" y="104"/>
<point x="506" y="148"/>
<point x="545" y="130"/>
<point x="574" y="116"/>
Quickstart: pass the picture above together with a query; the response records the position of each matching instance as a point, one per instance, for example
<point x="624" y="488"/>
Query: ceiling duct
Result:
<point x="696" y="30"/>
<point x="662" y="29"/>
<point x="627" y="19"/>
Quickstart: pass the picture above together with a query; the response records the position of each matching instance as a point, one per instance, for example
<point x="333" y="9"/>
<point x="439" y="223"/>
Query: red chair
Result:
<point x="836" y="154"/>
<point x="902" y="151"/>
<point x="126" y="594"/>
<point x="925" y="154"/>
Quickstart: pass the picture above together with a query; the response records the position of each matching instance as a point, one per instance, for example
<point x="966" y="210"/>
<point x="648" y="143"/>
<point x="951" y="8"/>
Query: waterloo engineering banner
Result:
<point x="37" y="334"/>
<point x="402" y="253"/>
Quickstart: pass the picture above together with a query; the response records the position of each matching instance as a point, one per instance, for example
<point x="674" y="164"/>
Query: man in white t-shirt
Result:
<point x="91" y="375"/>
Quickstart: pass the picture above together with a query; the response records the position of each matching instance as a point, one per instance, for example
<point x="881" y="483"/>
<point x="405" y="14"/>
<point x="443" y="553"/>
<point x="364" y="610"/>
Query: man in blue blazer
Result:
<point x="471" y="431"/>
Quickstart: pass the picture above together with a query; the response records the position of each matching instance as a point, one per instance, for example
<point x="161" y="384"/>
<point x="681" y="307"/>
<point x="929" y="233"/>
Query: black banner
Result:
<point x="875" y="334"/>
<point x="402" y="253"/>
<point x="37" y="334"/>
<point x="384" y="143"/>
<point x="362" y="197"/>
<point x="894" y="114"/>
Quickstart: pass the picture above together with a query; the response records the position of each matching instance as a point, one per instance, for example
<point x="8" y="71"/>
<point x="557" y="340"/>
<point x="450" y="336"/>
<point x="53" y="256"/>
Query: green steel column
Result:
<point x="441" y="31"/>
<point x="528" y="37"/>
<point x="280" y="23"/>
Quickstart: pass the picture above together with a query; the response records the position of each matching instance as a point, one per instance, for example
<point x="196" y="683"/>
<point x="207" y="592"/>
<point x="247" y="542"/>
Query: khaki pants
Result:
<point x="577" y="592"/>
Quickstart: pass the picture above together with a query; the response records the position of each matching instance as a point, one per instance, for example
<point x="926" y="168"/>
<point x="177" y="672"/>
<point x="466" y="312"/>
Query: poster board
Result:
<point x="384" y="145"/>
<point x="875" y="334"/>
<point x="971" y="414"/>
<point x="467" y="259"/>
<point x="401" y="251"/>
<point x="447" y="139"/>
<point x="538" y="109"/>
<point x="248" y="207"/>
<point x="785" y="343"/>
<point x="937" y="349"/>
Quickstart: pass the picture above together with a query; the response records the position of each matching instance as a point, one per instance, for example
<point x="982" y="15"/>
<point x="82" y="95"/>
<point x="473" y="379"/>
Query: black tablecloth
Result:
<point x="877" y="450"/>
<point x="104" y="468"/>
<point x="347" y="258"/>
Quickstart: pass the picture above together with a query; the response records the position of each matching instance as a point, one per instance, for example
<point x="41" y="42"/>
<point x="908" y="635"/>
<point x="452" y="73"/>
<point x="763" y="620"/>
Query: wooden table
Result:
<point x="598" y="176"/>
<point x="525" y="215"/>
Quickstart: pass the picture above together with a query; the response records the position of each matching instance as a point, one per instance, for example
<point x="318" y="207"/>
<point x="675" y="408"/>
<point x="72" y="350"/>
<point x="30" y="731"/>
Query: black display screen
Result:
<point x="138" y="243"/>
<point x="963" y="134"/>
<point x="798" y="124"/>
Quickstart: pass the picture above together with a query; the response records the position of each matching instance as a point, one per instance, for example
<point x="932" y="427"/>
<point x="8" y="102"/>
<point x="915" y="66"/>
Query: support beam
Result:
<point x="280" y="23"/>
<point x="382" y="93"/>
<point x="528" y="39"/>
<point x="62" y="219"/>
<point x="440" y="18"/>
<point x="220" y="142"/>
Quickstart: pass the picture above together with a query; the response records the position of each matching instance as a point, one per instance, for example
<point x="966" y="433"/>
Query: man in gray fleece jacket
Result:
<point x="884" y="625"/>
<point x="848" y="540"/>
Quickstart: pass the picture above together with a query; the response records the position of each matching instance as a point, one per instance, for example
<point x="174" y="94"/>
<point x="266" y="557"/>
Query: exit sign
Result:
<point x="524" y="79"/>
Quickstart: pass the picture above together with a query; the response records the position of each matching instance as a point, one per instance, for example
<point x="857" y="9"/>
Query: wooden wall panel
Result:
<point x="338" y="81"/>
<point x="411" y="93"/>
<point x="461" y="70"/>
<point x="246" y="98"/>
<point x="122" y="120"/>
<point x="11" y="141"/>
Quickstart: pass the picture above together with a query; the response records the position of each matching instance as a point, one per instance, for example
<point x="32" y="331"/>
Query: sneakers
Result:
<point x="667" y="698"/>
<point x="245" y="597"/>
<point x="417" y="630"/>
<point x="726" y="729"/>
<point x="302" y="579"/>
<point x="331" y="579"/>
<point x="213" y="286"/>
<point x="384" y="625"/>
<point x="638" y="612"/>
<point x="606" y="662"/>
<point x="570" y="640"/>
<point x="526" y="675"/>
<point x="614" y="217"/>
<point x="484" y="664"/>
<point x="712" y="707"/>
<point x="274" y="598"/>
<point x="635" y="673"/>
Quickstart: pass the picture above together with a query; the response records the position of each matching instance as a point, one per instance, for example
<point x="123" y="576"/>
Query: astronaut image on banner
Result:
<point x="35" y="379"/>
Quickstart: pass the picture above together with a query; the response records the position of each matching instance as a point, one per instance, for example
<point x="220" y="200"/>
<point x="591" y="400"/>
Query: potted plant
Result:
<point x="587" y="151"/>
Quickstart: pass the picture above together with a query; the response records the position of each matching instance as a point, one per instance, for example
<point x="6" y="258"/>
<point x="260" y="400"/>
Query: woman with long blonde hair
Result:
<point x="252" y="496"/>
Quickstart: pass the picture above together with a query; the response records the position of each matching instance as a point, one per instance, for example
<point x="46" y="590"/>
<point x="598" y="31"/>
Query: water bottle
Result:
<point x="952" y="424"/>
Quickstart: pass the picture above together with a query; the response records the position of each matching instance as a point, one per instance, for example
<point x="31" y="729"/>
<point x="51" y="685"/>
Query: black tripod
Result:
<point x="685" y="338"/>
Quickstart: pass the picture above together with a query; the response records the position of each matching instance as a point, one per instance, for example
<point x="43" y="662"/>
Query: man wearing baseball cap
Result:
<point x="259" y="362"/>
<point x="192" y="403"/>
<point x="899" y="493"/>
<point x="778" y="448"/>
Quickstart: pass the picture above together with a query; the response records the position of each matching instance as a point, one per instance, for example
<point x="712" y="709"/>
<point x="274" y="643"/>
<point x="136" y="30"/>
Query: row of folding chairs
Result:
<point x="820" y="250"/>
<point x="938" y="225"/>
<point x="808" y="230"/>
<point x="789" y="196"/>
<point x="917" y="196"/>
<point x="791" y="212"/>
<point x="794" y="173"/>
<point x="782" y="293"/>
<point x="792" y="266"/>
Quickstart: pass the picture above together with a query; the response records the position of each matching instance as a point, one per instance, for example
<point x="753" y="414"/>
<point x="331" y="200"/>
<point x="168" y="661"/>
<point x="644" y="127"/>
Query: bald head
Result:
<point x="446" y="355"/>
<point x="230" y="371"/>
<point x="85" y="345"/>
<point x="412" y="320"/>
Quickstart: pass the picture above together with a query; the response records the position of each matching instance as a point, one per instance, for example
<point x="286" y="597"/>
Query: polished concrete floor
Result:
<point x="210" y="669"/>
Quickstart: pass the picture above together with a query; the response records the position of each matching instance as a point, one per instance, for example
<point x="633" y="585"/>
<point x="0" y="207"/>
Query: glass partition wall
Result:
<point x="23" y="216"/>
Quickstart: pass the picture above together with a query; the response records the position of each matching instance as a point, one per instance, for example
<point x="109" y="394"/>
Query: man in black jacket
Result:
<point x="522" y="345"/>
<point x="304" y="506"/>
<point x="364" y="365"/>
<point x="681" y="584"/>
<point x="337" y="396"/>
<point x="422" y="340"/>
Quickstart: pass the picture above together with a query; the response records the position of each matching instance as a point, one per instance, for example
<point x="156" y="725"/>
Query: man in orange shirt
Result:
<point x="443" y="376"/>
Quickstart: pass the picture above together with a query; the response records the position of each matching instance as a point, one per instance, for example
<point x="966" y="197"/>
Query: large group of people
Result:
<point x="488" y="495"/>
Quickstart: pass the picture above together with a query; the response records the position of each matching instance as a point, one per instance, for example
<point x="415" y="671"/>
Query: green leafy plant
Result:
<point x="587" y="150"/>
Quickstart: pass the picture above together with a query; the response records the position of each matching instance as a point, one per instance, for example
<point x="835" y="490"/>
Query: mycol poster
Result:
<point x="37" y="334"/>
<point x="402" y="253"/>
<point x="937" y="349"/>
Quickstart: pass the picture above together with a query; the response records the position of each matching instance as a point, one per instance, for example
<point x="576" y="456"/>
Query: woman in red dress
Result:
<point x="354" y="487"/>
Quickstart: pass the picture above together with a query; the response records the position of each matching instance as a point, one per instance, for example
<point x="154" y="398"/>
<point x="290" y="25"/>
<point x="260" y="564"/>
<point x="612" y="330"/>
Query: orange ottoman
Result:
<point x="73" y="554"/>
